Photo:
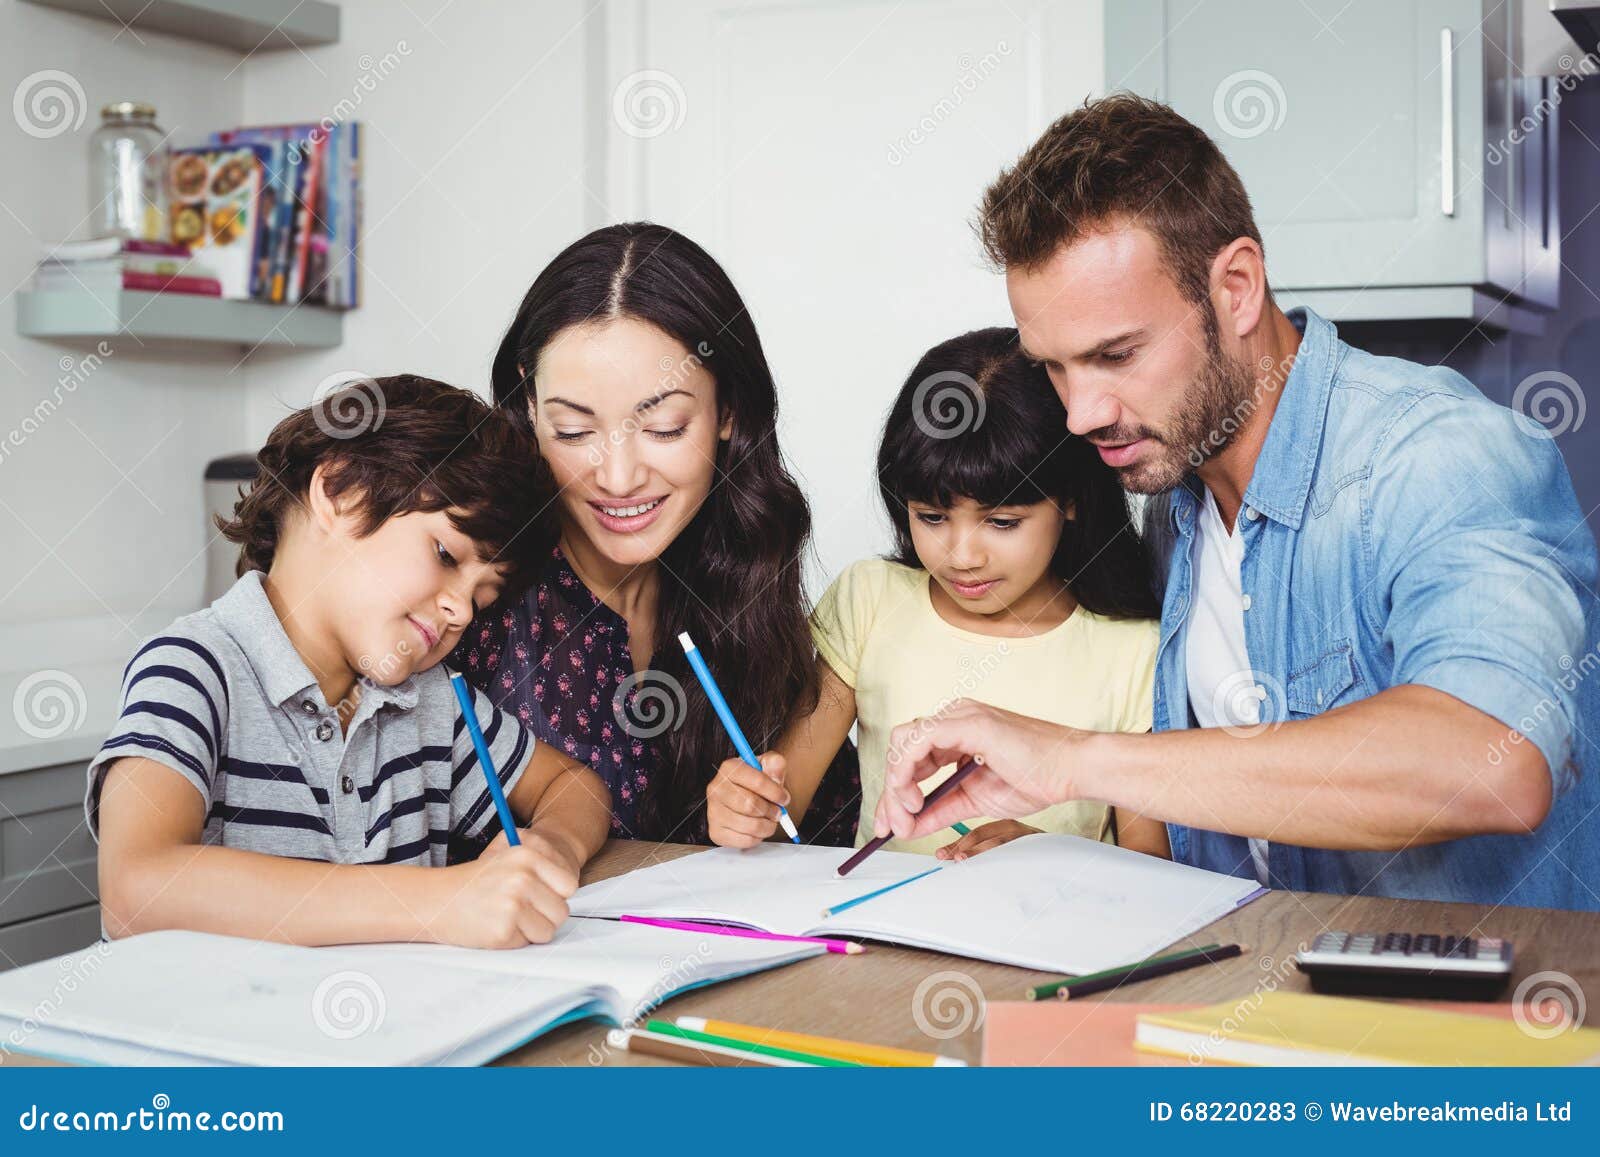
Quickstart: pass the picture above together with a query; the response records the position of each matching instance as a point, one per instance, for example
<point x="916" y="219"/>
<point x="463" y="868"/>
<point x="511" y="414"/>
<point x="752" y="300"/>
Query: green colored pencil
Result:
<point x="1039" y="992"/>
<point x="667" y="1028"/>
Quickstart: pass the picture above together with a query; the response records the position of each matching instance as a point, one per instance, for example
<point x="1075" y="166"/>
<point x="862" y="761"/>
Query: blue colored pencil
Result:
<point x="729" y="724"/>
<point x="508" y="822"/>
<point x="837" y="908"/>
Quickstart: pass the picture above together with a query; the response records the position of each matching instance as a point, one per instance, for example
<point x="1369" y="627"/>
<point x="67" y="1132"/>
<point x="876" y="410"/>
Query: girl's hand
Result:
<point x="507" y="898"/>
<point x="983" y="837"/>
<point x="742" y="803"/>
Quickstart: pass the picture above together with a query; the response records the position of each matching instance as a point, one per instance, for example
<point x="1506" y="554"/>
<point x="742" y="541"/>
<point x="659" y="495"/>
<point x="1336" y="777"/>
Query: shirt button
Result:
<point x="1319" y="698"/>
<point x="1251" y="513"/>
<point x="347" y="785"/>
<point x="1245" y="602"/>
<point x="324" y="731"/>
<point x="309" y="707"/>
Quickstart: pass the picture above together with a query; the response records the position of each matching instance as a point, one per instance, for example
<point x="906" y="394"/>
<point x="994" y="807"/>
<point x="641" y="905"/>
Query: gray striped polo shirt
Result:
<point x="223" y="699"/>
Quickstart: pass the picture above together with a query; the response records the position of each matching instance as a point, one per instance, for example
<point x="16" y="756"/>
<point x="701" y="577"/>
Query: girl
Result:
<point x="634" y="364"/>
<point x="1016" y="579"/>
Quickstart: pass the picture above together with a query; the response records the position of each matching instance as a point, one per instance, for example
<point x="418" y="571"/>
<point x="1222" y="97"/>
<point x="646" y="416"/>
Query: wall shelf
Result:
<point x="184" y="317"/>
<point x="243" y="25"/>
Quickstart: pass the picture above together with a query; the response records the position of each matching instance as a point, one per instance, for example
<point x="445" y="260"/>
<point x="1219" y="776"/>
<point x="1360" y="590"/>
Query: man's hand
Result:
<point x="1027" y="766"/>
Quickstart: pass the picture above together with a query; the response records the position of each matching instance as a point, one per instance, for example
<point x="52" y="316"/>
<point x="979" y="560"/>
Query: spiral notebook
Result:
<point x="190" y="998"/>
<point x="1056" y="903"/>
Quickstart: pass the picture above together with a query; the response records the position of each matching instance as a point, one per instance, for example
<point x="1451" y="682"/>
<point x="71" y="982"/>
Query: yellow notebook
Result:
<point x="1291" y="1028"/>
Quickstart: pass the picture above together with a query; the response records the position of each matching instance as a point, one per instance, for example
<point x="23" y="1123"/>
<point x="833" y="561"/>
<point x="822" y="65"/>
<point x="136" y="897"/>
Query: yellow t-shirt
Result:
<point x="877" y="629"/>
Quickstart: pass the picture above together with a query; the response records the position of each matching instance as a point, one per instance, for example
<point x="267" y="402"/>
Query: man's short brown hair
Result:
<point x="1123" y="157"/>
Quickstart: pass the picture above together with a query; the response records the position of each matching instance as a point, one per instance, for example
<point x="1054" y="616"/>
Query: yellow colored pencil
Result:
<point x="844" y="1050"/>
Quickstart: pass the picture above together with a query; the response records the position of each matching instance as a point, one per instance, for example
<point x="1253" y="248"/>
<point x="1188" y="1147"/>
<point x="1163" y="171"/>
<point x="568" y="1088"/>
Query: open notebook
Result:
<point x="1051" y="902"/>
<point x="181" y="998"/>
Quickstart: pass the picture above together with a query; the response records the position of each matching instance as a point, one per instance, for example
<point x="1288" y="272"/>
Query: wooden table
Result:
<point x="875" y="996"/>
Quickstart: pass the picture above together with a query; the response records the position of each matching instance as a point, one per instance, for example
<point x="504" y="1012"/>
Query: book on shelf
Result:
<point x="102" y="267"/>
<point x="309" y="246"/>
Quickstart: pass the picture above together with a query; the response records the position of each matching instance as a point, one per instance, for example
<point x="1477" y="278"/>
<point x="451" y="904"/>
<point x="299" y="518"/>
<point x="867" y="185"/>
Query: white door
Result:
<point x="831" y="155"/>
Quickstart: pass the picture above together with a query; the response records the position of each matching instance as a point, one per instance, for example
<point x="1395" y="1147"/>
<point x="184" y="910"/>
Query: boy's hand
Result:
<point x="984" y="837"/>
<point x="742" y="803"/>
<point x="560" y="852"/>
<point x="512" y="897"/>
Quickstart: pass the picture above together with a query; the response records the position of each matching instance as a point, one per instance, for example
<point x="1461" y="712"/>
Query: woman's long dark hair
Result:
<point x="732" y="577"/>
<point x="977" y="420"/>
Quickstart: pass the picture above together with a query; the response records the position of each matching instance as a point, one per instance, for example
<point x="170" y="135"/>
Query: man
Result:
<point x="1380" y="616"/>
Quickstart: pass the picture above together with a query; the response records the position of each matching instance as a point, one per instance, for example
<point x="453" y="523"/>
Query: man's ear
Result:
<point x="1239" y="281"/>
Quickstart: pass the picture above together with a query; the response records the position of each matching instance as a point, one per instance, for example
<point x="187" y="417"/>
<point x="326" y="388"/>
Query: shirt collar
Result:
<point x="247" y="615"/>
<point x="1281" y="482"/>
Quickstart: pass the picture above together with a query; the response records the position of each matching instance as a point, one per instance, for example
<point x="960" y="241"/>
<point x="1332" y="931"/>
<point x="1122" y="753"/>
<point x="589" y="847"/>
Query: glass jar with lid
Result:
<point x="127" y="174"/>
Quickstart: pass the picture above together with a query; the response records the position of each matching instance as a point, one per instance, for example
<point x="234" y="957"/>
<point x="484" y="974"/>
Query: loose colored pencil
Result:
<point x="1147" y="971"/>
<point x="729" y="724"/>
<point x="674" y="1049"/>
<point x="667" y="1028"/>
<point x="826" y="1046"/>
<point x="1040" y="991"/>
<point x="846" y="947"/>
<point x="932" y="798"/>
<point x="837" y="908"/>
<point x="508" y="823"/>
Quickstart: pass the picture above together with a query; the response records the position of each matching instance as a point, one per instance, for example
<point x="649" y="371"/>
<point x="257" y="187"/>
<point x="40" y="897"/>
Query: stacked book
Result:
<point x="105" y="266"/>
<point x="280" y="206"/>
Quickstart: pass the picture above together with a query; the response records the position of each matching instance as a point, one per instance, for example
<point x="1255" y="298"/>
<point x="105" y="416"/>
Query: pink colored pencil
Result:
<point x="844" y="946"/>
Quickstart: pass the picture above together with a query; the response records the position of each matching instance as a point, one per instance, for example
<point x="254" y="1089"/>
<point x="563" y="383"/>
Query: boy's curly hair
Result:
<point x="398" y="445"/>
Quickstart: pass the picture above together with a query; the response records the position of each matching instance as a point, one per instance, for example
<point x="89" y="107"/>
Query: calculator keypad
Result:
<point x="1419" y="948"/>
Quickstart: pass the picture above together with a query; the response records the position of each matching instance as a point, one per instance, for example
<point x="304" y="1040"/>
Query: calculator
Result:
<point x="1408" y="964"/>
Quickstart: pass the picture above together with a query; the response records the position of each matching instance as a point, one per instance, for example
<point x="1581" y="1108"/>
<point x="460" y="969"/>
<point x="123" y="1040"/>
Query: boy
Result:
<point x="290" y="763"/>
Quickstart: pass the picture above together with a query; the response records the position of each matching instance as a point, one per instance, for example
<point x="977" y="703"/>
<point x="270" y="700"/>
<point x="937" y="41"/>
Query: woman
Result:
<point x="635" y="365"/>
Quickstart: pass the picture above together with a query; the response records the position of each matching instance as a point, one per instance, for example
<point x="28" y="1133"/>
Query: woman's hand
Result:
<point x="984" y="837"/>
<point x="742" y="803"/>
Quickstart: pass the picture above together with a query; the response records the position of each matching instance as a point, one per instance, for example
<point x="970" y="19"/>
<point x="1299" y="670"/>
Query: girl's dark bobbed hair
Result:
<point x="977" y="420"/>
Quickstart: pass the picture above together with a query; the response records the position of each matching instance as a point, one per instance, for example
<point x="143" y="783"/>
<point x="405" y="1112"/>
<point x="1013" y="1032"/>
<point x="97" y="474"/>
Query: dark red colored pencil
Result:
<point x="934" y="797"/>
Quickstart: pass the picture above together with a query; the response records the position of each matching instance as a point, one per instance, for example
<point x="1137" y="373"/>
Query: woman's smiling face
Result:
<point x="627" y="419"/>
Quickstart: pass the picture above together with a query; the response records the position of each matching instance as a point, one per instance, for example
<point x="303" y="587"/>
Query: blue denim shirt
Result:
<point x="1401" y="528"/>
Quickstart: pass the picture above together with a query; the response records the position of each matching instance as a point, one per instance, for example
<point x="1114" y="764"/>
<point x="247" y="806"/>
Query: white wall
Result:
<point x="832" y="155"/>
<point x="804" y="161"/>
<point x="474" y="176"/>
<point x="80" y="539"/>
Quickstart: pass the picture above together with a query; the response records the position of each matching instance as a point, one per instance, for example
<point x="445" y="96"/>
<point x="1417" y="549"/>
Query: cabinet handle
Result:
<point x="1447" y="124"/>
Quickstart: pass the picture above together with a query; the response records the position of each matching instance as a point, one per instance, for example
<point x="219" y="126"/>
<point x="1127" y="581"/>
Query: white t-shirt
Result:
<point x="1223" y="690"/>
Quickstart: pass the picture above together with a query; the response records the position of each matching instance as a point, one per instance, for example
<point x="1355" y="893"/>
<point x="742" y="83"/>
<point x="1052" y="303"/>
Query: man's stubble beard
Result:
<point x="1201" y="427"/>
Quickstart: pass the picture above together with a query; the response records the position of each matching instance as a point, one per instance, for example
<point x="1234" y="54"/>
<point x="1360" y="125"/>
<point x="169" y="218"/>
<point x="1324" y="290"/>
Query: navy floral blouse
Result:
<point x="556" y="660"/>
